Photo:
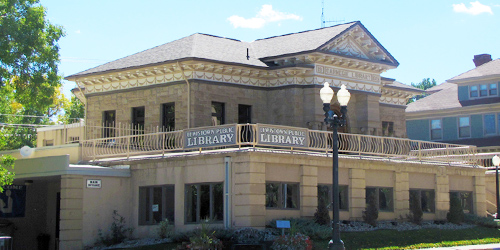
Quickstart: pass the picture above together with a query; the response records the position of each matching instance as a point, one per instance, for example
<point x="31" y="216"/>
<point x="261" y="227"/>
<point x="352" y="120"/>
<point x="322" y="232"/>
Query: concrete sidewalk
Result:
<point x="471" y="247"/>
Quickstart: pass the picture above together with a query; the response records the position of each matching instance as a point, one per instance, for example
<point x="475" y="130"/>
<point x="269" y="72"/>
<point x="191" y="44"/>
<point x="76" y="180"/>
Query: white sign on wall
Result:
<point x="93" y="183"/>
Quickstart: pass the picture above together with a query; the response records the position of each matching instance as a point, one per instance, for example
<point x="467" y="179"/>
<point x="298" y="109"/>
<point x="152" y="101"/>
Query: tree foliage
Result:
<point x="322" y="215"/>
<point x="370" y="215"/>
<point x="29" y="80"/>
<point x="456" y="213"/>
<point x="416" y="213"/>
<point x="6" y="173"/>
<point x="425" y="84"/>
<point x="74" y="110"/>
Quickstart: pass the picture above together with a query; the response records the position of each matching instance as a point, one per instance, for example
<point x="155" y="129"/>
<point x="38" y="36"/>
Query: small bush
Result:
<point x="117" y="233"/>
<point x="249" y="235"/>
<point x="415" y="209"/>
<point x="307" y="227"/>
<point x="295" y="241"/>
<point x="481" y="221"/>
<point x="370" y="215"/>
<point x="205" y="239"/>
<point x="165" y="229"/>
<point x="322" y="215"/>
<point x="456" y="213"/>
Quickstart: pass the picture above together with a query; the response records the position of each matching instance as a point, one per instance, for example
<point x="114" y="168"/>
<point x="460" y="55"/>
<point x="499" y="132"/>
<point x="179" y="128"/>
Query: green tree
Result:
<point x="456" y="213"/>
<point x="73" y="111"/>
<point x="425" y="84"/>
<point x="29" y="80"/>
<point x="6" y="173"/>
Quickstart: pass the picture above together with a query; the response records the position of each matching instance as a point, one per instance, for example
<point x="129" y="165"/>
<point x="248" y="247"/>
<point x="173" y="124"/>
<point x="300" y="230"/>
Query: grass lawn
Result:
<point x="390" y="239"/>
<point x="415" y="239"/>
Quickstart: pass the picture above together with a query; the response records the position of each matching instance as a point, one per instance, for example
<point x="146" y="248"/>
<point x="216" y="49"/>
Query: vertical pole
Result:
<point x="498" y="196"/>
<point x="335" y="242"/>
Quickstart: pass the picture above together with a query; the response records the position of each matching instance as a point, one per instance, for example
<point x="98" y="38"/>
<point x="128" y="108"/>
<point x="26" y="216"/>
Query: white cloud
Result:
<point x="475" y="9"/>
<point x="265" y="15"/>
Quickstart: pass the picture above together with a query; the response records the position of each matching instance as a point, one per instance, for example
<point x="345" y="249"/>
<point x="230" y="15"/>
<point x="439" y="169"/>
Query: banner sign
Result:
<point x="282" y="136"/>
<point x="13" y="201"/>
<point x="210" y="136"/>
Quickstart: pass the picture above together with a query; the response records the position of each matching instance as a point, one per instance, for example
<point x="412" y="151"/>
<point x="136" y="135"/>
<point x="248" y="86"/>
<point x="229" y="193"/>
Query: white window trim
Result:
<point x="495" y="120"/>
<point x="458" y="128"/>
<point x="479" y="90"/>
<point x="430" y="129"/>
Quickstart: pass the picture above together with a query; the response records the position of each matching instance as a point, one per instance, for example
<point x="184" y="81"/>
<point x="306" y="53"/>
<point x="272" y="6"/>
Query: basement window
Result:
<point x="156" y="203"/>
<point x="204" y="201"/>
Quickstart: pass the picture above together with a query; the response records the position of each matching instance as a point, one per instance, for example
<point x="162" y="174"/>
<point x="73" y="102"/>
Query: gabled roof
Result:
<point x="444" y="99"/>
<point x="489" y="69"/>
<point x="220" y="49"/>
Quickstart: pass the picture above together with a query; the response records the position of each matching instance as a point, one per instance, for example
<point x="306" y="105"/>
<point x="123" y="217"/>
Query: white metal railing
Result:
<point x="247" y="135"/>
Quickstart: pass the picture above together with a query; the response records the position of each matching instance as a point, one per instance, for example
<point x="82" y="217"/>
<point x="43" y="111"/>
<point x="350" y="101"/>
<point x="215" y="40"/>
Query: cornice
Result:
<point x="453" y="112"/>
<point x="478" y="79"/>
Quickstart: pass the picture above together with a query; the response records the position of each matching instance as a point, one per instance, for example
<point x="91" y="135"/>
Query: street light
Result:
<point x="332" y="120"/>
<point x="496" y="162"/>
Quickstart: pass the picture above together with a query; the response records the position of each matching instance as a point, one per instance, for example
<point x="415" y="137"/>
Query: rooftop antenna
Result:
<point x="323" y="22"/>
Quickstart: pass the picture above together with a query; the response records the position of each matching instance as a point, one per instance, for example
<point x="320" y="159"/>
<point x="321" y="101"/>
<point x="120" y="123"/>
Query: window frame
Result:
<point x="108" y="123"/>
<point x="167" y="122"/>
<point x="495" y="125"/>
<point x="212" y="203"/>
<point x="495" y="89"/>
<point x="476" y="91"/>
<point x="463" y="200"/>
<point x="282" y="194"/>
<point x="219" y="115"/>
<point x="432" y="208"/>
<point x="389" y="127"/>
<point x="147" y="202"/>
<point x="244" y="114"/>
<point x="431" y="129"/>
<point x="343" y="192"/>
<point x="483" y="90"/>
<point x="460" y="126"/>
<point x="377" y="198"/>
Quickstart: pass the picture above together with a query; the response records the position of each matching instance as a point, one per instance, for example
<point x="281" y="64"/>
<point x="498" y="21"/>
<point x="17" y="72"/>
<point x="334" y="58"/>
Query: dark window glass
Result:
<point x="383" y="197"/>
<point x="464" y="127"/>
<point x="466" y="199"/>
<point x="325" y="192"/>
<point x="210" y="200"/>
<point x="138" y="117"/>
<point x="156" y="203"/>
<point x="282" y="195"/>
<point x="168" y="116"/>
<point x="218" y="113"/>
<point x="473" y="91"/>
<point x="244" y="114"/>
<point x="489" y="124"/>
<point x="493" y="89"/>
<point x="109" y="119"/>
<point x="426" y="199"/>
<point x="387" y="128"/>
<point x="483" y="90"/>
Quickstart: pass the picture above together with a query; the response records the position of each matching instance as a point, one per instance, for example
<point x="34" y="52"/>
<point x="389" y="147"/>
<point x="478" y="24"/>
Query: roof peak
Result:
<point x="305" y="31"/>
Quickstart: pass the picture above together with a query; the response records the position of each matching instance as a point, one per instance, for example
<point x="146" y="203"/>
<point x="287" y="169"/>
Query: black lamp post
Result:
<point x="496" y="162"/>
<point x="333" y="121"/>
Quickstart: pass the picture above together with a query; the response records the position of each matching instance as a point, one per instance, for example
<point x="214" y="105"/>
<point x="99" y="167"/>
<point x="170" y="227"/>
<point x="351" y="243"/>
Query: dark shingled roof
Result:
<point x="214" y="48"/>
<point x="488" y="69"/>
<point x="445" y="99"/>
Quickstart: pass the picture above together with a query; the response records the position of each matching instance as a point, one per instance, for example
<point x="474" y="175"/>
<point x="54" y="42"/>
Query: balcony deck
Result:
<point x="263" y="137"/>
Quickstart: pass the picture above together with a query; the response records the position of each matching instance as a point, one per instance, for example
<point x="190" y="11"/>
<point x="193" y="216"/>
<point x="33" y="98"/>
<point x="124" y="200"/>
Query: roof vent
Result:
<point x="481" y="59"/>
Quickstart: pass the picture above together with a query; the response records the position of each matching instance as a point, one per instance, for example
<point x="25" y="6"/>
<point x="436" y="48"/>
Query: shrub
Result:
<point x="165" y="229"/>
<point x="249" y="235"/>
<point x="205" y="239"/>
<point x="295" y="241"/>
<point x="481" y="221"/>
<point x="307" y="227"/>
<point x="370" y="215"/>
<point x="322" y="215"/>
<point x="415" y="209"/>
<point x="118" y="231"/>
<point x="456" y="213"/>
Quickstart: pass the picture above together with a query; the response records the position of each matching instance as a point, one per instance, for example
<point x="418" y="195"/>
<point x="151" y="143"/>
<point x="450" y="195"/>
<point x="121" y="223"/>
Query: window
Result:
<point x="218" y="113"/>
<point x="387" y="128"/>
<point x="473" y="91"/>
<point x="48" y="143"/>
<point x="244" y="114"/>
<point x="426" y="199"/>
<point x="204" y="201"/>
<point x="168" y="116"/>
<point x="489" y="124"/>
<point x="156" y="203"/>
<point x="138" y="117"/>
<point x="483" y="90"/>
<point x="493" y="89"/>
<point x="109" y="118"/>
<point x="464" y="127"/>
<point x="436" y="130"/>
<point x="383" y="197"/>
<point x="325" y="193"/>
<point x="282" y="195"/>
<point x="465" y="198"/>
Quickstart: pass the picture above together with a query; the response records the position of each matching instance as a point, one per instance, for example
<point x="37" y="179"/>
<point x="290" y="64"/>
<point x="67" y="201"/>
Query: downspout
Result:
<point x="188" y="96"/>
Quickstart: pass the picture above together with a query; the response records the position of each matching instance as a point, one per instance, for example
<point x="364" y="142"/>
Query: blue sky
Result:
<point x="435" y="39"/>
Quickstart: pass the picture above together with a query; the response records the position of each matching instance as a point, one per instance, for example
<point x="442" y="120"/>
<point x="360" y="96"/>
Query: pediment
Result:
<point x="357" y="42"/>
